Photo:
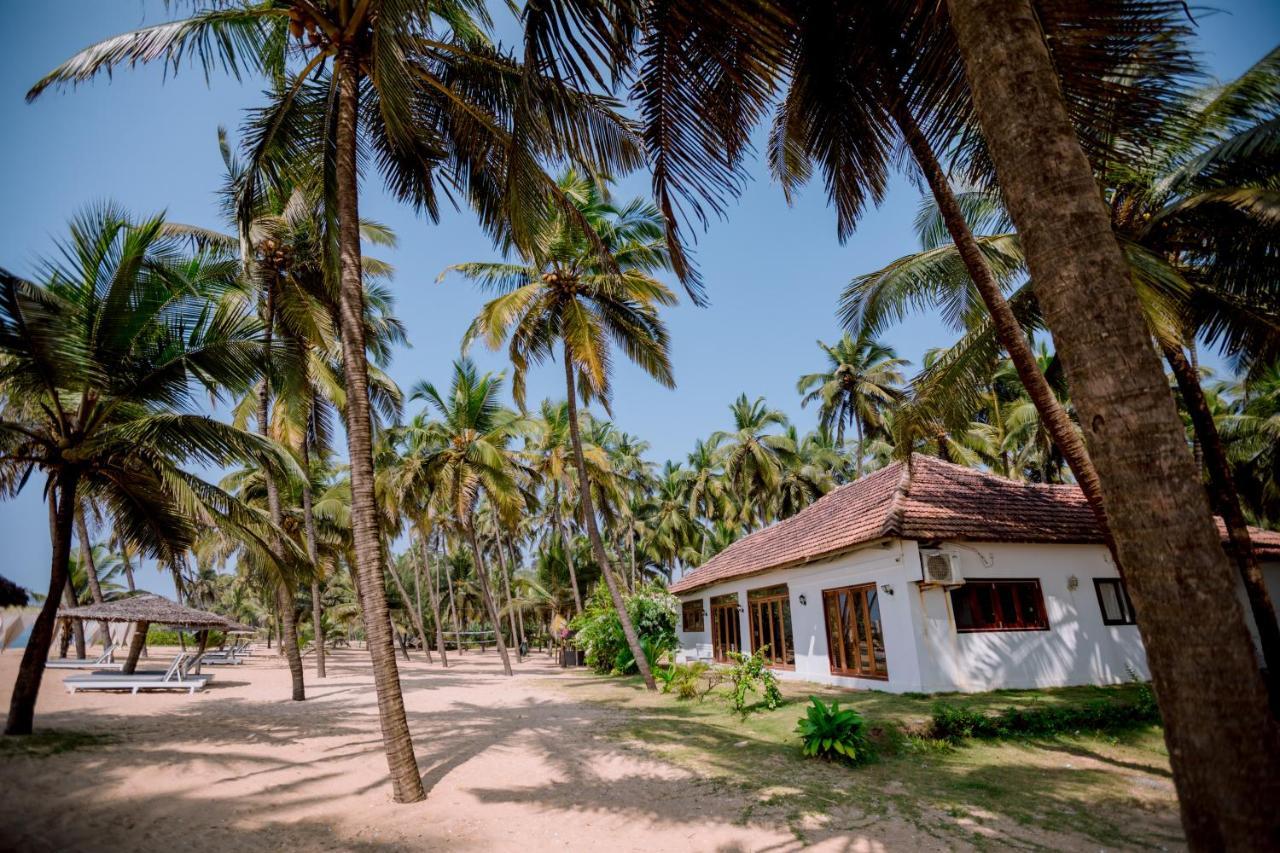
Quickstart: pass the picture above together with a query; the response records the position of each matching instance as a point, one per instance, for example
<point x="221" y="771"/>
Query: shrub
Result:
<point x="750" y="674"/>
<point x="161" y="636"/>
<point x="689" y="680"/>
<point x="954" y="723"/>
<point x="830" y="732"/>
<point x="598" y="630"/>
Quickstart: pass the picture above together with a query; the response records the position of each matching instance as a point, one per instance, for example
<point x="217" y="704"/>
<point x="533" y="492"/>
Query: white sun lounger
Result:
<point x="103" y="661"/>
<point x="228" y="656"/>
<point x="175" y="677"/>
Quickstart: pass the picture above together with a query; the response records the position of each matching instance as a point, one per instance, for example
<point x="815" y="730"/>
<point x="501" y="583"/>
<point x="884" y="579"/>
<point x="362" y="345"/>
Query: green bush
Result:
<point x="160" y="636"/>
<point x="750" y="674"/>
<point x="836" y="734"/>
<point x="953" y="723"/>
<point x="598" y="630"/>
<point x="688" y="680"/>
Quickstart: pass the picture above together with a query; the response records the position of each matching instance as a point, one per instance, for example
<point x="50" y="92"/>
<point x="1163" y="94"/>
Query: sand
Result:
<point x="508" y="764"/>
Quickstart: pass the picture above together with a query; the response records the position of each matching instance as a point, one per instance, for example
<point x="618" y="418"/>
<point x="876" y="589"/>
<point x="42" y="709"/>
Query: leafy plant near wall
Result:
<point x="689" y="680"/>
<point x="833" y="733"/>
<point x="598" y="630"/>
<point x="750" y="674"/>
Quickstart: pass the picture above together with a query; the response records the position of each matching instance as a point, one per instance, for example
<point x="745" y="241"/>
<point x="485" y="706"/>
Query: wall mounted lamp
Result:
<point x="803" y="601"/>
<point x="887" y="587"/>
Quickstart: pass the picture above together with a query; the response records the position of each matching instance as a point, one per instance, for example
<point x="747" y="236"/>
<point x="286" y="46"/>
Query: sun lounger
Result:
<point x="236" y="654"/>
<point x="104" y="661"/>
<point x="176" y="677"/>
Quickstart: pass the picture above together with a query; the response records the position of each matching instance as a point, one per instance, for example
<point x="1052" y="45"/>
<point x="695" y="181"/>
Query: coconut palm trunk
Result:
<point x="433" y="593"/>
<point x="91" y="571"/>
<point x="1223" y="740"/>
<point x="415" y="614"/>
<point x="74" y="628"/>
<point x="506" y="586"/>
<point x="397" y="741"/>
<point x="285" y="599"/>
<point x="22" y="704"/>
<point x="593" y="532"/>
<point x="137" y="646"/>
<point x="1227" y="501"/>
<point x="309" y="528"/>
<point x="483" y="575"/>
<point x="453" y="608"/>
<point x="564" y="545"/>
<point x="1014" y="340"/>
<point x="515" y="563"/>
<point x="417" y="609"/>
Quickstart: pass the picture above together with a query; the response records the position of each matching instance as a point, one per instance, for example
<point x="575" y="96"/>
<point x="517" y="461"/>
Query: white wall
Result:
<point x="923" y="651"/>
<point x="1077" y="649"/>
<point x="880" y="564"/>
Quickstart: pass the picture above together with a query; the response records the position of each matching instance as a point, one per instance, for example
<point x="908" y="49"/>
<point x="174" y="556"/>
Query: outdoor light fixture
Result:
<point x="887" y="587"/>
<point x="803" y="601"/>
<point x="1073" y="583"/>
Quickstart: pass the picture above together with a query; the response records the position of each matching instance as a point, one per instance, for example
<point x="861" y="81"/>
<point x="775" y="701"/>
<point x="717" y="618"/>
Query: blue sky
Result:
<point x="773" y="272"/>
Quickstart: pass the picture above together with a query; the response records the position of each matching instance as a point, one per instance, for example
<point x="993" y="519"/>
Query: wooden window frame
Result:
<point x="758" y="600"/>
<point x="971" y="586"/>
<point x="836" y="647"/>
<point x="688" y="607"/>
<point x="1129" y="617"/>
<point x="726" y="622"/>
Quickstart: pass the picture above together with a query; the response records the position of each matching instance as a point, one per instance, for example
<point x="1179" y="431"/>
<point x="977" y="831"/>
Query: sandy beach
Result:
<point x="508" y="764"/>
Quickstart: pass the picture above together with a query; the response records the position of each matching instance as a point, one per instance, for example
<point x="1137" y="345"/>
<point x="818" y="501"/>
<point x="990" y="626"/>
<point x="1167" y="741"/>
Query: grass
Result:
<point x="44" y="744"/>
<point x="1110" y="790"/>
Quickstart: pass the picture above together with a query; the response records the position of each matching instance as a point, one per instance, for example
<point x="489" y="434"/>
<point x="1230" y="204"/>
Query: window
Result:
<point x="855" y="640"/>
<point x="726" y="627"/>
<point x="770" y="610"/>
<point x="1113" y="601"/>
<point x="1004" y="605"/>
<point x="693" y="618"/>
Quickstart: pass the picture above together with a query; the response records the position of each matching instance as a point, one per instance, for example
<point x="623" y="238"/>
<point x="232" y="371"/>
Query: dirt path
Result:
<point x="509" y="764"/>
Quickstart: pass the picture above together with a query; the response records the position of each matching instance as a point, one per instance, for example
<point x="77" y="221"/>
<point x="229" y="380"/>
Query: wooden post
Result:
<point x="135" y="647"/>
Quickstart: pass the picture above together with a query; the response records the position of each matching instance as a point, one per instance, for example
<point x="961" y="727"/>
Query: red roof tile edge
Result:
<point x="930" y="500"/>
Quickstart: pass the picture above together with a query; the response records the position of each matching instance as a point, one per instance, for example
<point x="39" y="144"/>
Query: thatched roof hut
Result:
<point x="151" y="608"/>
<point x="240" y="628"/>
<point x="12" y="595"/>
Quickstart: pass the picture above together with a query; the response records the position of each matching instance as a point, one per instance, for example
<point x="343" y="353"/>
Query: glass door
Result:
<point x="770" y="611"/>
<point x="726" y="627"/>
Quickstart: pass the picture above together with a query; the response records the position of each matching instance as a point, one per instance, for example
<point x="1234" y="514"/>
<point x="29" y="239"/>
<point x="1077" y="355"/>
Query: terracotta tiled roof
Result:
<point x="930" y="499"/>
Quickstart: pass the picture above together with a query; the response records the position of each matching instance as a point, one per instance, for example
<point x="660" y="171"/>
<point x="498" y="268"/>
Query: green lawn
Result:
<point x="1077" y="791"/>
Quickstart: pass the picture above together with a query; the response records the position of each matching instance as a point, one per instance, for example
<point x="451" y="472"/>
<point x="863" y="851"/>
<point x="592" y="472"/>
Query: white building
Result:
<point x="928" y="577"/>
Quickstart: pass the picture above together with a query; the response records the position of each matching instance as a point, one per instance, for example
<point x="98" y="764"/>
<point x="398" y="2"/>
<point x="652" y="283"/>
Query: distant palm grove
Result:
<point x="1098" y="214"/>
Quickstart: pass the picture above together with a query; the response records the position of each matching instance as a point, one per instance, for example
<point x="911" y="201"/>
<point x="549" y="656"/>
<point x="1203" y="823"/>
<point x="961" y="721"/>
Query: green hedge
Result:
<point x="953" y="723"/>
<point x="161" y="636"/>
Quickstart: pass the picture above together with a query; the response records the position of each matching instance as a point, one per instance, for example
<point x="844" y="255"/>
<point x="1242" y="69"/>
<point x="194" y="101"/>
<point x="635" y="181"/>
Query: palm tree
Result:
<point x="672" y="524"/>
<point x="584" y="279"/>
<point x="1159" y="513"/>
<point x="420" y="85"/>
<point x="862" y="380"/>
<point x="754" y="457"/>
<point x="1251" y="427"/>
<point x="103" y="361"/>
<point x="470" y="460"/>
<point x="1197" y="246"/>
<point x="548" y="450"/>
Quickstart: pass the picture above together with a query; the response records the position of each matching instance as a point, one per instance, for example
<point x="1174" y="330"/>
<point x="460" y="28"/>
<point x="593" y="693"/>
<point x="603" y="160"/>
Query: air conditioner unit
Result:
<point x="940" y="567"/>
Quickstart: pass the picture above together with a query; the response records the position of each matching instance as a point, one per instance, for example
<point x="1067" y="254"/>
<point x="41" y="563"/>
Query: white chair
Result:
<point x="176" y="677"/>
<point x="106" y="660"/>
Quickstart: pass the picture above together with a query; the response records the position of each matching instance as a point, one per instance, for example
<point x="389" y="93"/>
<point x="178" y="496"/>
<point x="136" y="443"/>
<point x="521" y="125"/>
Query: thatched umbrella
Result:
<point x="11" y="595"/>
<point x="146" y="609"/>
